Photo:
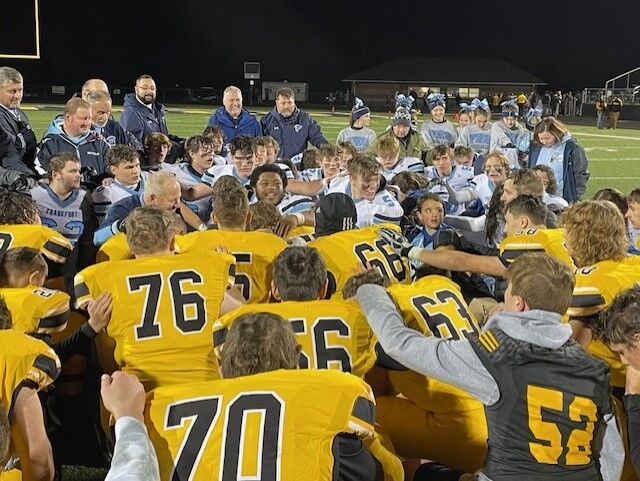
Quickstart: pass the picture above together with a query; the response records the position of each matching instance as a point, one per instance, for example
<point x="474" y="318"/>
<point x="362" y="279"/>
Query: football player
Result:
<point x="375" y="205"/>
<point x="596" y="238"/>
<point x="124" y="164"/>
<point x="254" y="252"/>
<point x="164" y="304"/>
<point x="266" y="419"/>
<point x="27" y="366"/>
<point x="522" y="367"/>
<point x="346" y="250"/>
<point x="333" y="334"/>
<point x="20" y="226"/>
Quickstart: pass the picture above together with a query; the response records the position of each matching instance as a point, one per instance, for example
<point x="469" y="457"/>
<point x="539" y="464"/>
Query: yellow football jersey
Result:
<point x="25" y="361"/>
<point x="115" y="248"/>
<point x="596" y="288"/>
<point x="304" y="231"/>
<point x="345" y="253"/>
<point x="254" y="252"/>
<point x="275" y="425"/>
<point x="333" y="334"/>
<point x="37" y="310"/>
<point x="51" y="244"/>
<point x="434" y="306"/>
<point x="550" y="241"/>
<point x="163" y="313"/>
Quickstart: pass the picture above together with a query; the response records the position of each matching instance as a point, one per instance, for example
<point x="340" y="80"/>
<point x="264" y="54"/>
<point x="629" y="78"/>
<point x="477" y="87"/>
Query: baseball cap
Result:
<point x="334" y="213"/>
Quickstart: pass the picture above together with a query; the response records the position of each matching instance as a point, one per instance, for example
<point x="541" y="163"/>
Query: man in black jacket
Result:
<point x="15" y="122"/>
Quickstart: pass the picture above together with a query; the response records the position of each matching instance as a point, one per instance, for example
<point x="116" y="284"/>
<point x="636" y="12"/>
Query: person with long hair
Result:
<point x="554" y="146"/>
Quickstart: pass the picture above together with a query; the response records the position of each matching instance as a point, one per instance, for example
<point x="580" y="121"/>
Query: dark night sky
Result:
<point x="571" y="44"/>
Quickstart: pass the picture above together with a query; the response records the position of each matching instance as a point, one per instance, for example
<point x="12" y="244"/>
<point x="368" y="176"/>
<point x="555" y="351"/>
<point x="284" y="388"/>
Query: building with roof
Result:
<point x="469" y="77"/>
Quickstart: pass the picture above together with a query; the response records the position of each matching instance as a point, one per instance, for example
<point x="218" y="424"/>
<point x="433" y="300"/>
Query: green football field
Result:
<point x="614" y="156"/>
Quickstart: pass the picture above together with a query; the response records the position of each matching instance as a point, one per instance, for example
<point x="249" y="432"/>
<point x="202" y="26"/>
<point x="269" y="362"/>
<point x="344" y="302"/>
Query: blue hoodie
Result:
<point x="292" y="133"/>
<point x="245" y="124"/>
<point x="141" y="120"/>
<point x="89" y="148"/>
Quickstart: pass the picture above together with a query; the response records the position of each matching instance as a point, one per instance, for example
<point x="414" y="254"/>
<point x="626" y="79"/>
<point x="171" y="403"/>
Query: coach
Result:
<point x="15" y="122"/>
<point x="292" y="128"/>
<point x="232" y="118"/>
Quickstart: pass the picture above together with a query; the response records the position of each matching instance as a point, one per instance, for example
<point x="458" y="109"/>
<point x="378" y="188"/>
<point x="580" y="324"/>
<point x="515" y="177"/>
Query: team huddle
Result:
<point x="423" y="303"/>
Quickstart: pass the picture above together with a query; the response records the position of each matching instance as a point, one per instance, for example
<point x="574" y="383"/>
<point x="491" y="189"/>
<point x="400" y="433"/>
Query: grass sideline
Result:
<point x="614" y="157"/>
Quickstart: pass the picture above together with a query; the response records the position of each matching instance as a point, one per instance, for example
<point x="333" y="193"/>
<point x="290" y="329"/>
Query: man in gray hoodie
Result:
<point x="546" y="400"/>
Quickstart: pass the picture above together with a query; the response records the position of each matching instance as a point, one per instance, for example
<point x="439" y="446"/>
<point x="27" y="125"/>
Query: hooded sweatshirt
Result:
<point x="456" y="362"/>
<point x="89" y="148"/>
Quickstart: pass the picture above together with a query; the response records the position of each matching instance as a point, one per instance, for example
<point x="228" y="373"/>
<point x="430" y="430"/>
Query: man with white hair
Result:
<point x="93" y="85"/>
<point x="105" y="125"/>
<point x="232" y="118"/>
<point x="15" y="122"/>
<point x="161" y="190"/>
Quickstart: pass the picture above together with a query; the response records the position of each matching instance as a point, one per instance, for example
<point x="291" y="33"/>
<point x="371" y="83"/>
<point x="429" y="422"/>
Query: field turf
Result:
<point x="614" y="156"/>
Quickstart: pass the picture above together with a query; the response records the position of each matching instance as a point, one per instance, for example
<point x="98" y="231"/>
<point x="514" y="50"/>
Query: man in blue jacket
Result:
<point x="232" y="118"/>
<point x="292" y="128"/>
<point x="142" y="115"/>
<point x="73" y="134"/>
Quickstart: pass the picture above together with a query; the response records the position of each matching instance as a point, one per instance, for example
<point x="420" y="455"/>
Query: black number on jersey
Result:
<point x="6" y="239"/>
<point x="243" y="280"/>
<point x="391" y="264"/>
<point x="204" y="414"/>
<point x="182" y="303"/>
<point x="324" y="355"/>
<point x="458" y="325"/>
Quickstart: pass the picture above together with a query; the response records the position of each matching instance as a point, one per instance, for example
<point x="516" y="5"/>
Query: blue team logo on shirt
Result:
<point x="297" y="128"/>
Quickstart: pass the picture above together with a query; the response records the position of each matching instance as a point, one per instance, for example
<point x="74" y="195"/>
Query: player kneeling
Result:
<point x="265" y="419"/>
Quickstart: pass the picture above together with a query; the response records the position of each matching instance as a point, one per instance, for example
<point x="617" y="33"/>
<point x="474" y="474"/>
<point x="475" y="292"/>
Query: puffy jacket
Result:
<point x="574" y="166"/>
<point x="20" y="133"/>
<point x="114" y="134"/>
<point x="246" y="124"/>
<point x="292" y="133"/>
<point x="90" y="149"/>
<point x="411" y="146"/>
<point x="140" y="120"/>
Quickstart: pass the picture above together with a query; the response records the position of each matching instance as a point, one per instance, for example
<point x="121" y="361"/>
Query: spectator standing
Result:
<point x="553" y="146"/>
<point x="291" y="127"/>
<point x="142" y="115"/>
<point x="601" y="110"/>
<point x="232" y="118"/>
<point x="615" y="107"/>
<point x="359" y="133"/>
<point x="15" y="122"/>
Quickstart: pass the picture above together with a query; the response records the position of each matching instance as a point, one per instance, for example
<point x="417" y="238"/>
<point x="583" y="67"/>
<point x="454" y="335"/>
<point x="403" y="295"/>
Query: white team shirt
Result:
<point x="213" y="173"/>
<point x="483" y="188"/>
<point x="383" y="209"/>
<point x="188" y="177"/>
<point x="104" y="196"/>
<point x="411" y="164"/>
<point x="459" y="179"/>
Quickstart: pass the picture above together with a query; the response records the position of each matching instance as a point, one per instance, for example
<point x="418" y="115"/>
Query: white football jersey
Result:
<point x="188" y="177"/>
<point x="411" y="164"/>
<point x="459" y="178"/>
<point x="383" y="209"/>
<point x="213" y="173"/>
